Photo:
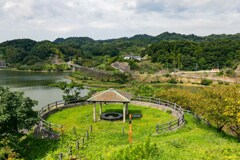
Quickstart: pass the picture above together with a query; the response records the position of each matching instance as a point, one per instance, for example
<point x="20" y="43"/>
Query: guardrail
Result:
<point x="171" y="125"/>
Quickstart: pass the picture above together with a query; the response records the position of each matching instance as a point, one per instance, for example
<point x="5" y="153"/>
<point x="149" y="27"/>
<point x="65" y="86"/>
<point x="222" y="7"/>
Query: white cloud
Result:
<point x="101" y="19"/>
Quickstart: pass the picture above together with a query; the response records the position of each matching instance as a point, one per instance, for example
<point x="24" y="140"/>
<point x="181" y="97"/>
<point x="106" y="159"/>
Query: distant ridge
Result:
<point x="151" y="39"/>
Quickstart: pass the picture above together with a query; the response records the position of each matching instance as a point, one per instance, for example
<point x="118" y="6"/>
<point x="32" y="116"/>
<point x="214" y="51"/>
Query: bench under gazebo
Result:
<point x="111" y="96"/>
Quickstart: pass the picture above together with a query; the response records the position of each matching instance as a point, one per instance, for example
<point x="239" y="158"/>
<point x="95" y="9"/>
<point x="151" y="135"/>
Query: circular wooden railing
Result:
<point x="171" y="125"/>
<point x="51" y="108"/>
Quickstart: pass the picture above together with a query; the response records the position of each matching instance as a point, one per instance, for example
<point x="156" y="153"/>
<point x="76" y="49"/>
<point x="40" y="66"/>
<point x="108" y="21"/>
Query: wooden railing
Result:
<point x="51" y="108"/>
<point x="171" y="125"/>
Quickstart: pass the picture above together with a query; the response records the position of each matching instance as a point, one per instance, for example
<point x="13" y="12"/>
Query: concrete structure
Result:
<point x="111" y="96"/>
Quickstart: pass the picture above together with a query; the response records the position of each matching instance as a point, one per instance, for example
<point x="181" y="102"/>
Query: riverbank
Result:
<point x="40" y="71"/>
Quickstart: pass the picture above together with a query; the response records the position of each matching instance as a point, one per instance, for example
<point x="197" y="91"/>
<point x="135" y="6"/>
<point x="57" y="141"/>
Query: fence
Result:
<point x="198" y="117"/>
<point x="79" y="142"/>
<point x="51" y="108"/>
<point x="160" y="128"/>
<point x="171" y="125"/>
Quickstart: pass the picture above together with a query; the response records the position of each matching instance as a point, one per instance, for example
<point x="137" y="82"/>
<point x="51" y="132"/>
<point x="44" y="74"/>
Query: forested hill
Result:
<point x="189" y="55"/>
<point x="171" y="49"/>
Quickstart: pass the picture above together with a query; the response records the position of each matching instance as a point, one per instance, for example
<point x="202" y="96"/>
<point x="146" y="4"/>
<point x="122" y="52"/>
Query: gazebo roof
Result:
<point x="111" y="95"/>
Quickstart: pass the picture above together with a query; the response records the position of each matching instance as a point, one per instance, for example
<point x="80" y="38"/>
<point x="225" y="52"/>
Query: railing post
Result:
<point x="83" y="141"/>
<point x="56" y="104"/>
<point x="70" y="150"/>
<point x="48" y="107"/>
<point x="60" y="156"/>
<point x="49" y="125"/>
<point x="91" y="129"/>
<point x="77" y="145"/>
<point x="74" y="131"/>
<point x="61" y="128"/>
<point x="87" y="135"/>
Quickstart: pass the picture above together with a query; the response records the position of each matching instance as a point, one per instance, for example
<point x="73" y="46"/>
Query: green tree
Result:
<point x="215" y="105"/>
<point x="121" y="78"/>
<point x="143" y="89"/>
<point x="71" y="90"/>
<point x="184" y="98"/>
<point x="232" y="111"/>
<point x="16" y="113"/>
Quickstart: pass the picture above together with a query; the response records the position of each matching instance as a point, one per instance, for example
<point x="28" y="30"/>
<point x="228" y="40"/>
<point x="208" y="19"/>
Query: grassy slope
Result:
<point x="193" y="141"/>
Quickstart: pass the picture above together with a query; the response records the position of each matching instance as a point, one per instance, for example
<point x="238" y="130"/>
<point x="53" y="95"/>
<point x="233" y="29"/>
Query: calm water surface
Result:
<point x="35" y="85"/>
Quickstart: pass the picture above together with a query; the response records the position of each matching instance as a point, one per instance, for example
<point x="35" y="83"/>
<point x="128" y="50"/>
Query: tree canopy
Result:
<point x="16" y="113"/>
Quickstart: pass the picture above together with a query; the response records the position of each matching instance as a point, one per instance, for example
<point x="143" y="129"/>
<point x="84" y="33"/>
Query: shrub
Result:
<point x="220" y="82"/>
<point x="206" y="82"/>
<point x="230" y="72"/>
<point x="220" y="73"/>
<point x="144" y="150"/>
<point x="167" y="75"/>
<point x="172" y="80"/>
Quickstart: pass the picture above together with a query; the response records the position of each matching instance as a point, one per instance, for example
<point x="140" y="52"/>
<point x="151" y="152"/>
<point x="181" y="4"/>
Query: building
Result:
<point x="133" y="57"/>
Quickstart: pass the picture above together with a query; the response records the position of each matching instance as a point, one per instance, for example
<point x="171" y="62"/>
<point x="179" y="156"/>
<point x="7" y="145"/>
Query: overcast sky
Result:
<point x="103" y="19"/>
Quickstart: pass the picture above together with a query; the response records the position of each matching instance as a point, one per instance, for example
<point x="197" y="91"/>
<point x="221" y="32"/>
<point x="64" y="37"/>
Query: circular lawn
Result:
<point x="105" y="134"/>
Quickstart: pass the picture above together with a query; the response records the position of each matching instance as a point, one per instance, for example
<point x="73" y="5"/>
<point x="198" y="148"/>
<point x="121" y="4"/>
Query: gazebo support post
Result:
<point x="124" y="113"/>
<point x="94" y="111"/>
<point x="126" y="104"/>
<point x="100" y="108"/>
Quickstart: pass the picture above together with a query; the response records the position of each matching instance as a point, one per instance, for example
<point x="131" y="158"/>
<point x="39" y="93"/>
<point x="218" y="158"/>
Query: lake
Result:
<point x="35" y="85"/>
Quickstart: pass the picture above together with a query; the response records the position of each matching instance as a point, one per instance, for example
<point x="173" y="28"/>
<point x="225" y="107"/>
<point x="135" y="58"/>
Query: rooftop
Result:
<point x="111" y="95"/>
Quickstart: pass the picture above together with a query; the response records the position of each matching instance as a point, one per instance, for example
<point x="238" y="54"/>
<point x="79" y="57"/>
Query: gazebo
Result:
<point x="111" y="96"/>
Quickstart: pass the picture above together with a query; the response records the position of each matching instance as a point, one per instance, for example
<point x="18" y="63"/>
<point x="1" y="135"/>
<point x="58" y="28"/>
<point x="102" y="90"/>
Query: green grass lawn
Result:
<point x="193" y="141"/>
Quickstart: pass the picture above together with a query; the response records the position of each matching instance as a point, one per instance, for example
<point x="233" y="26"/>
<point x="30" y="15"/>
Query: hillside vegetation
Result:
<point x="172" y="50"/>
